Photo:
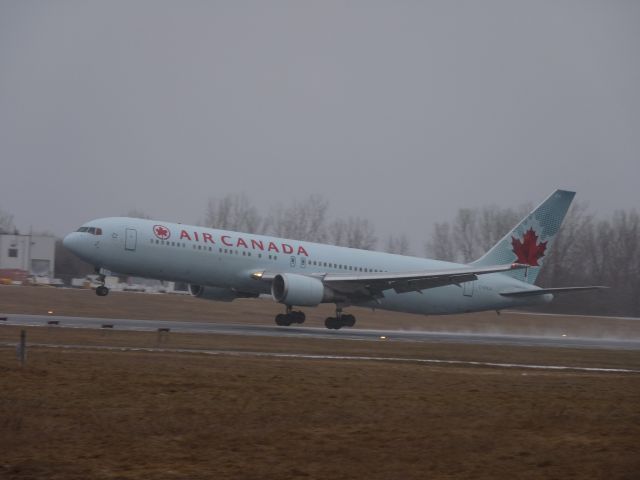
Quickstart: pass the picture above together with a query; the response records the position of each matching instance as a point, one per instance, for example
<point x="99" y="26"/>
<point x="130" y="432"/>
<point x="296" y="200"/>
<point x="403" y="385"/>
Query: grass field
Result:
<point x="85" y="413"/>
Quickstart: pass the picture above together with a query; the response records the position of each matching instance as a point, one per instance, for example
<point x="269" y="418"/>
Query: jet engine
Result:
<point x="218" y="294"/>
<point x="300" y="290"/>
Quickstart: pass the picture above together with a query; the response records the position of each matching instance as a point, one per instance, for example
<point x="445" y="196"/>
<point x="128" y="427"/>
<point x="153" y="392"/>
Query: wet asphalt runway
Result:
<point x="312" y="332"/>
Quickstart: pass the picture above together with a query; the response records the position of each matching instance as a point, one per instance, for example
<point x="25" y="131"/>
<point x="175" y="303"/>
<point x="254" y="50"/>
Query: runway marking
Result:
<point x="311" y="356"/>
<point x="545" y="314"/>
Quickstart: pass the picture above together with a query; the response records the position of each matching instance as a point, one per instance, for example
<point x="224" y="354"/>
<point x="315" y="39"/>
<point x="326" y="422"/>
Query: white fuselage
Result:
<point x="219" y="258"/>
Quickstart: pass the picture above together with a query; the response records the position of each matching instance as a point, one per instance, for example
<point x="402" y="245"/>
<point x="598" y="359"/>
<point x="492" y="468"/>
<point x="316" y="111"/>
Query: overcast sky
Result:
<point x="399" y="111"/>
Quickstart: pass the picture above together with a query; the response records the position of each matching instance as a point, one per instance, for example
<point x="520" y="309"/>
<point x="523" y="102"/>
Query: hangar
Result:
<point x="24" y="255"/>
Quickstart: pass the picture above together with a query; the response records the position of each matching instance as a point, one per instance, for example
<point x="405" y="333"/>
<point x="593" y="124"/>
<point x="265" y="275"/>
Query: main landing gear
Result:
<point x="286" y="319"/>
<point x="340" y="320"/>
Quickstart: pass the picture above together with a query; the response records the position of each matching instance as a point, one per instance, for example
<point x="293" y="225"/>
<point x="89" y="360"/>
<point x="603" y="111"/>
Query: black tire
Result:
<point x="332" y="323"/>
<point x="298" y="317"/>
<point x="283" y="320"/>
<point x="102" y="291"/>
<point x="348" y="320"/>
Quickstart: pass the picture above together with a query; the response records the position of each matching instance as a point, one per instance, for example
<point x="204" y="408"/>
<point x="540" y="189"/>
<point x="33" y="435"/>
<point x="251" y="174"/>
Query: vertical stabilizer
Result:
<point x="530" y="241"/>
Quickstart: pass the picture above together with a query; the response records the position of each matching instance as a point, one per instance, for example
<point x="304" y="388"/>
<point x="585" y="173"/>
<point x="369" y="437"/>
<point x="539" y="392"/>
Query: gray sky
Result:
<point x="399" y="111"/>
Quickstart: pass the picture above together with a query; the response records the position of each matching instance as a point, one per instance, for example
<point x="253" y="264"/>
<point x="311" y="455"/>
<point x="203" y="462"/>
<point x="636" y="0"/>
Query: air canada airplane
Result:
<point x="223" y="265"/>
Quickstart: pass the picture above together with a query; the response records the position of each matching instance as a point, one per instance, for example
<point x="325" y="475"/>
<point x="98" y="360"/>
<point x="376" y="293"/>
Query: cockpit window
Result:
<point x="91" y="230"/>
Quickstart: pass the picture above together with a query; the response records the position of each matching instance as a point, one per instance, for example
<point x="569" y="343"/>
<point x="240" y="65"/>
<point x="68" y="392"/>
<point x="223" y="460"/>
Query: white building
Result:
<point x="30" y="254"/>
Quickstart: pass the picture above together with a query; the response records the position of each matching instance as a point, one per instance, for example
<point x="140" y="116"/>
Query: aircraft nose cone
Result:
<point x="70" y="241"/>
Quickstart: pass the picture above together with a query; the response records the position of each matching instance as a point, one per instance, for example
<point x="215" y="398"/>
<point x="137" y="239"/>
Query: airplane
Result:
<point x="224" y="265"/>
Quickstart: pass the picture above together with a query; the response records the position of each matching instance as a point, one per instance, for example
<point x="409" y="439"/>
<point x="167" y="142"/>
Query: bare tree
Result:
<point x="473" y="233"/>
<point x="493" y="223"/>
<point x="465" y="234"/>
<point x="355" y="232"/>
<point x="6" y="222"/>
<point x="136" y="213"/>
<point x="565" y="258"/>
<point x="398" y="244"/>
<point x="233" y="212"/>
<point x="440" y="246"/>
<point x="306" y="220"/>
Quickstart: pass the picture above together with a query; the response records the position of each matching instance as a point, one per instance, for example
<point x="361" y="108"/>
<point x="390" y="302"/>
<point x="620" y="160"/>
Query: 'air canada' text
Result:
<point x="239" y="242"/>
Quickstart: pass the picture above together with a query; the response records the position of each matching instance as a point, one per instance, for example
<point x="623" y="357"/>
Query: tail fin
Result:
<point x="530" y="241"/>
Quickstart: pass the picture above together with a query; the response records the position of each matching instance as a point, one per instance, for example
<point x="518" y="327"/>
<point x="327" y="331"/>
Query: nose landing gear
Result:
<point x="101" y="290"/>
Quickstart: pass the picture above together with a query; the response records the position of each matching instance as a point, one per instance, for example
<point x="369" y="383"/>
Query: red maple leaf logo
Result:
<point x="161" y="232"/>
<point x="528" y="250"/>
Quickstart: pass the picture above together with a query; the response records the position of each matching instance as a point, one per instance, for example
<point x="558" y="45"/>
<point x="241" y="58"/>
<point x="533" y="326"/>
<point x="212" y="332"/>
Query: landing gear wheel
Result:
<point x="102" y="291"/>
<point x="297" y="317"/>
<point x="286" y="319"/>
<point x="332" y="323"/>
<point x="348" y="320"/>
<point x="283" y="320"/>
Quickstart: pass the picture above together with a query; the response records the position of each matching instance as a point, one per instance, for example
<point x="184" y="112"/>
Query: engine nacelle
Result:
<point x="218" y="294"/>
<point x="292" y="289"/>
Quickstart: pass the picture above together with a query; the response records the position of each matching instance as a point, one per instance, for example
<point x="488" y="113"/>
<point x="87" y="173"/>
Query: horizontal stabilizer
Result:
<point x="544" y="291"/>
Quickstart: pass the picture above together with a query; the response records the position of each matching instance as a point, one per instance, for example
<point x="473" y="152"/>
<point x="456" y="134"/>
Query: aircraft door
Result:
<point x="130" y="239"/>
<point x="467" y="288"/>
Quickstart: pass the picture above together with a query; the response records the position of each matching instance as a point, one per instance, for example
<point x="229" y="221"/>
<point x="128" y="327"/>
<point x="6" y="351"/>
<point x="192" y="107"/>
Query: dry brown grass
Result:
<point x="81" y="414"/>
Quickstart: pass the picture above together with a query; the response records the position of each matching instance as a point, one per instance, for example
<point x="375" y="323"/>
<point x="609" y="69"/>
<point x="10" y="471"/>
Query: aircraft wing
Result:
<point x="544" y="291"/>
<point x="373" y="284"/>
<point x="401" y="282"/>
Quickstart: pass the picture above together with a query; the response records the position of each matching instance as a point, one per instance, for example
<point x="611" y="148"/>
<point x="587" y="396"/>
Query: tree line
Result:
<point x="587" y="250"/>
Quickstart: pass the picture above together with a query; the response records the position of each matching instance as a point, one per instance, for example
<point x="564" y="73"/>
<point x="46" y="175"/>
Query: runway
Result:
<point x="311" y="332"/>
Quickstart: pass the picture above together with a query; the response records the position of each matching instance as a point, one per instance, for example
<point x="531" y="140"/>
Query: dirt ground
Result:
<point x="80" y="413"/>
